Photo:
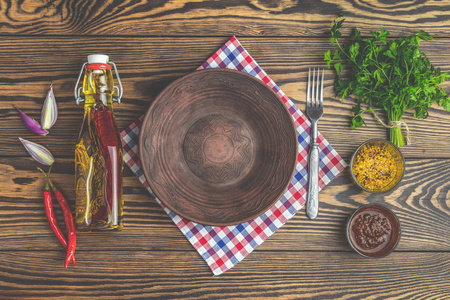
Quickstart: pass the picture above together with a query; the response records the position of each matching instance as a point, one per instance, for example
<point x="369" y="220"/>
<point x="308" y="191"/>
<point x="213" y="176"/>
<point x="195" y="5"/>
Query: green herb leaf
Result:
<point x="338" y="67"/>
<point x="383" y="35"/>
<point x="354" y="50"/>
<point x="445" y="103"/>
<point x="424" y="35"/>
<point x="357" y="121"/>
<point x="336" y="54"/>
<point x="356" y="34"/>
<point x="389" y="54"/>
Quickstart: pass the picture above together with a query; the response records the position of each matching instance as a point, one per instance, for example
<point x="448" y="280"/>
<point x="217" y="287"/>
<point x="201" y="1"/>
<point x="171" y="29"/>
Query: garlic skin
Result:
<point x="38" y="152"/>
<point x="49" y="113"/>
<point x="31" y="124"/>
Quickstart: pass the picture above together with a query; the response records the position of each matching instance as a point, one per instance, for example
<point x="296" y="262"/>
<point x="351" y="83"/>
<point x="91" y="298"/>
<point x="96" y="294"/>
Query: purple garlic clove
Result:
<point x="31" y="124"/>
<point x="49" y="112"/>
<point x="38" y="152"/>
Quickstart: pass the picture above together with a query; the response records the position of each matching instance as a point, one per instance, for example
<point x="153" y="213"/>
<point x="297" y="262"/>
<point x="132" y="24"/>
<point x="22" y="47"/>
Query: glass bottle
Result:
<point x="98" y="151"/>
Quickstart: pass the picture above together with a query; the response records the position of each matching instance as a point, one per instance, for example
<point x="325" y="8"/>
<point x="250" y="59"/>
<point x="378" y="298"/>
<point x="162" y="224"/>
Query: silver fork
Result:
<point x="314" y="110"/>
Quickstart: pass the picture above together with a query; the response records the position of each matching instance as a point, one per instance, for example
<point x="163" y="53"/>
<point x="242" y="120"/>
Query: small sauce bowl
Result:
<point x="377" y="166"/>
<point x="373" y="231"/>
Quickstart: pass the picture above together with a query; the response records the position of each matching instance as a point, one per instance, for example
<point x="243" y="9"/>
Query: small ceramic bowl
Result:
<point x="377" y="166"/>
<point x="373" y="231"/>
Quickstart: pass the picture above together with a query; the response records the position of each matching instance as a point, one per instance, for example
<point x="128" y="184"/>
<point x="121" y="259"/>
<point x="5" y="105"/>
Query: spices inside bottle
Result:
<point x="98" y="153"/>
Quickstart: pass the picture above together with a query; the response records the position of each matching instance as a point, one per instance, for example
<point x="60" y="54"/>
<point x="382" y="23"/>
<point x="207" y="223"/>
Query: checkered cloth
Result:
<point x="224" y="247"/>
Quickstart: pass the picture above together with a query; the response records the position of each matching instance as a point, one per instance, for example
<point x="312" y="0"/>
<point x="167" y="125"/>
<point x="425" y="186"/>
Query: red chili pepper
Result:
<point x="51" y="218"/>
<point x="109" y="147"/>
<point x="50" y="213"/>
<point x="70" y="225"/>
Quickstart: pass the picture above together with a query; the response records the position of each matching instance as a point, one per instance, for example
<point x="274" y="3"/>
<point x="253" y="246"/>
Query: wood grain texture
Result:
<point x="420" y="202"/>
<point x="155" y="42"/>
<point x="308" y="18"/>
<point x="180" y="275"/>
<point x="147" y="65"/>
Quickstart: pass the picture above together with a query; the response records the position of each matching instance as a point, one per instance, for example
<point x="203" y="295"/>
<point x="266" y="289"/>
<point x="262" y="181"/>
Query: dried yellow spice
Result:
<point x="374" y="167"/>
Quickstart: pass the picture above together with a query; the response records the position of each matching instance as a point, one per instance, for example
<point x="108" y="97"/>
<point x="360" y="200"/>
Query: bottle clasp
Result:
<point x="118" y="89"/>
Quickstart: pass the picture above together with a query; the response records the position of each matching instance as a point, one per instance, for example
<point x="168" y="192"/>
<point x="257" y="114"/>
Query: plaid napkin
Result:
<point x="224" y="247"/>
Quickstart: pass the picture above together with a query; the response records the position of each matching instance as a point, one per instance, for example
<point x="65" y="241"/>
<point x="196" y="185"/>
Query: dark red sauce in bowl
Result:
<point x="373" y="231"/>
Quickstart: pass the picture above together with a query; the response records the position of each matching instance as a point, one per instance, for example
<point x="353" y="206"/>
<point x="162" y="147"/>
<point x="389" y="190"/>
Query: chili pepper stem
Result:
<point x="47" y="187"/>
<point x="52" y="186"/>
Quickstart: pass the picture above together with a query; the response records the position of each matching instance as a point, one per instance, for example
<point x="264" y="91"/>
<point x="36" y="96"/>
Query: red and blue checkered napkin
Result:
<point x="224" y="247"/>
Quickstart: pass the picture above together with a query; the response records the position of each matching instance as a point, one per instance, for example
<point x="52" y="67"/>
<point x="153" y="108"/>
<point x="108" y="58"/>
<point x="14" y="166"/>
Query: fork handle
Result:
<point x="312" y="204"/>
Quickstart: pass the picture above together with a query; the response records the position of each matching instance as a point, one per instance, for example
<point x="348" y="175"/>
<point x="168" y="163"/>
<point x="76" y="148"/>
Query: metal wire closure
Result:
<point x="78" y="90"/>
<point x="119" y="90"/>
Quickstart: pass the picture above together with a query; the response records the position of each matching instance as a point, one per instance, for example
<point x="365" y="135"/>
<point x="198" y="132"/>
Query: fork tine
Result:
<point x="309" y="88"/>
<point x="312" y="104"/>
<point x="321" y="89"/>
<point x="317" y="89"/>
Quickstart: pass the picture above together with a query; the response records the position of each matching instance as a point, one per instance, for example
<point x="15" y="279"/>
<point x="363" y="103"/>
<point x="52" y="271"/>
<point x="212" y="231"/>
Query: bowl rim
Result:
<point x="353" y="157"/>
<point x="347" y="228"/>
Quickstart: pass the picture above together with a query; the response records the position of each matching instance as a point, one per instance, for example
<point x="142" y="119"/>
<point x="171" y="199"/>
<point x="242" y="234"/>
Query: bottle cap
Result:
<point x="98" y="58"/>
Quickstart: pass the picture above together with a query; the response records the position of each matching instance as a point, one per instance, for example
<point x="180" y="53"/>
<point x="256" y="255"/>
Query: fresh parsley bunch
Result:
<point x="393" y="76"/>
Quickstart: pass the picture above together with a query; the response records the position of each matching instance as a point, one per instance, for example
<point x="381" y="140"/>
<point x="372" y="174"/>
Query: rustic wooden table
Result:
<point x="157" y="42"/>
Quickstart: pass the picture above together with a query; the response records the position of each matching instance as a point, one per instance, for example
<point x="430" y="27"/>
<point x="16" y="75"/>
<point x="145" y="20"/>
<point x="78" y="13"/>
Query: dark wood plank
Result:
<point x="214" y="18"/>
<point x="180" y="275"/>
<point x="155" y="42"/>
<point x="421" y="203"/>
<point x="147" y="65"/>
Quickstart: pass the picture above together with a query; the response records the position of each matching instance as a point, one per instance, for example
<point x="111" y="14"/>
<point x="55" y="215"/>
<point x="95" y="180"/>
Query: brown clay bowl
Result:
<point x="218" y="147"/>
<point x="373" y="231"/>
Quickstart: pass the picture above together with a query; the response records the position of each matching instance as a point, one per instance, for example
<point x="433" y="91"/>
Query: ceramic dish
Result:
<point x="218" y="147"/>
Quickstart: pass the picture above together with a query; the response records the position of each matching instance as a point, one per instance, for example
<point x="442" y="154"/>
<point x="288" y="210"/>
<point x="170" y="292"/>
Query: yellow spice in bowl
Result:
<point x="374" y="167"/>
